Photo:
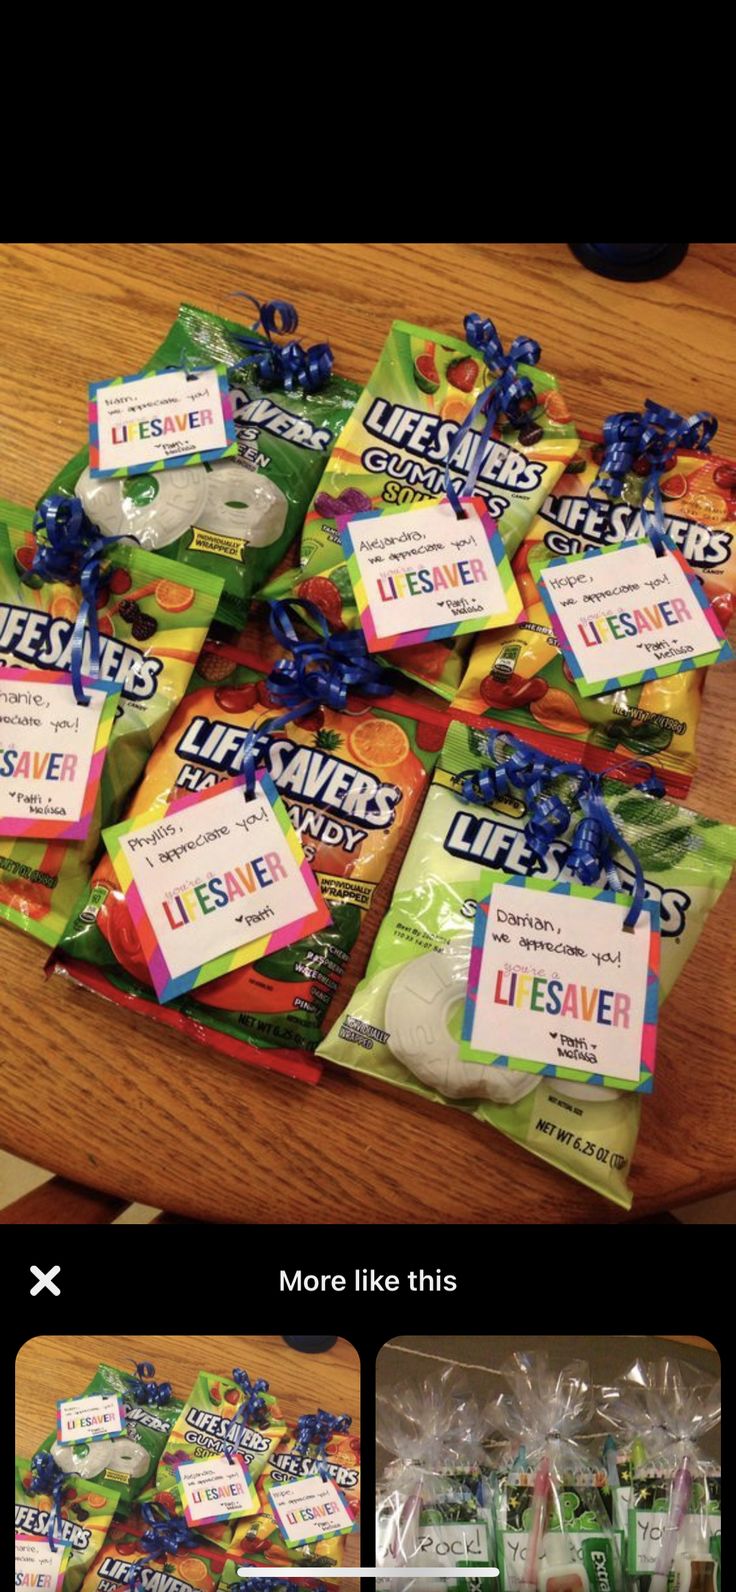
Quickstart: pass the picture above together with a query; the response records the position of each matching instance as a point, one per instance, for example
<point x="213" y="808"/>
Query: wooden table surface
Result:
<point x="50" y="1368"/>
<point x="79" y="1078"/>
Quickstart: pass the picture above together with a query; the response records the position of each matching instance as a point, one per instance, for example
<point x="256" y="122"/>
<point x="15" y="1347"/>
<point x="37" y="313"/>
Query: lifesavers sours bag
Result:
<point x="234" y="518"/>
<point x="517" y="677"/>
<point x="403" y="1021"/>
<point x="152" y="627"/>
<point x="350" y="781"/>
<point x="393" y="451"/>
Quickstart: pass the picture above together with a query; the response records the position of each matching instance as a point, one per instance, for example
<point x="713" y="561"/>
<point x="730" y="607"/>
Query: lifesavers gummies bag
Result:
<point x="350" y="782"/>
<point x="193" y="1569"/>
<point x="235" y="517"/>
<point x="128" y="1461"/>
<point x="394" y="450"/>
<point x="87" y="1509"/>
<point x="403" y="1021"/>
<point x="516" y="677"/>
<point x="260" y="1533"/>
<point x="151" y="631"/>
<point x="207" y="1421"/>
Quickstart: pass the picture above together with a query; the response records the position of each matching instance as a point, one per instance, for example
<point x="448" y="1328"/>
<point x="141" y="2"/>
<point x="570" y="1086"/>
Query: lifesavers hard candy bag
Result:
<point x="517" y="677"/>
<point x="260" y="1533"/>
<point x="350" y="782"/>
<point x="206" y="1423"/>
<point x="402" y="1023"/>
<point x="129" y="1460"/>
<point x="393" y="451"/>
<point x="151" y="631"/>
<point x="236" y="517"/>
<point x="193" y="1569"/>
<point x="87" y="1509"/>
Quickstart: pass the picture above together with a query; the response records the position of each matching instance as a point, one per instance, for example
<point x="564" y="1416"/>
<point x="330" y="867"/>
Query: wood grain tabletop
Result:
<point x="115" y="1102"/>
<point x="50" y="1368"/>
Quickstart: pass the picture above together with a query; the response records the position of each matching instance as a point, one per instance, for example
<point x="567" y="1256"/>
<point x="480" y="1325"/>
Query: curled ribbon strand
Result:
<point x="596" y="836"/>
<point x="253" y="1408"/>
<point x="143" y="1387"/>
<point x="316" y="1431"/>
<point x="72" y="552"/>
<point x="648" y="443"/>
<point x="48" y="1478"/>
<point x="321" y="671"/>
<point x="163" y="1536"/>
<point x="509" y="394"/>
<point x="285" y="365"/>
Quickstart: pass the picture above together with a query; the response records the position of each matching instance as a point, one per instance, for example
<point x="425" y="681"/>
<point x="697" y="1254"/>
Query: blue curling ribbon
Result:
<point x="72" y="553"/>
<point x="315" y="1431"/>
<point x="48" y="1478"/>
<point x="253" y="1407"/>
<point x="163" y="1536"/>
<point x="596" y="836"/>
<point x="320" y="672"/>
<point x="652" y="438"/>
<point x="143" y="1387"/>
<point x="289" y="365"/>
<point x="506" y="395"/>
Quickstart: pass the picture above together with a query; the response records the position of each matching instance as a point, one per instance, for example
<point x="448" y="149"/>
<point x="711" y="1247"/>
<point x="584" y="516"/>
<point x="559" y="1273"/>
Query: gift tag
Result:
<point x="420" y="574"/>
<point x="309" y="1509"/>
<point x="157" y="420"/>
<point x="216" y="1489"/>
<point x="38" y="1566"/>
<point x="623" y="615"/>
<point x="216" y="882"/>
<point x="51" y="752"/>
<point x="557" y="986"/>
<point x="85" y="1420"/>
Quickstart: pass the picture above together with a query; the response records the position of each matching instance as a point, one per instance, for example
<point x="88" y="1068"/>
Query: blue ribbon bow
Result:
<point x="47" y="1477"/>
<point x="648" y="442"/>
<point x="144" y="1389"/>
<point x="164" y="1536"/>
<point x="596" y="836"/>
<point x="253" y="1408"/>
<point x="510" y="394"/>
<point x="73" y="553"/>
<point x="321" y="671"/>
<point x="316" y="1431"/>
<point x="285" y="365"/>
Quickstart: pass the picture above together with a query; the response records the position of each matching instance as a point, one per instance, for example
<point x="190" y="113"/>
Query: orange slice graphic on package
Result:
<point x="172" y="597"/>
<point x="380" y="742"/>
<point x="64" y="608"/>
<point x="192" y="1570"/>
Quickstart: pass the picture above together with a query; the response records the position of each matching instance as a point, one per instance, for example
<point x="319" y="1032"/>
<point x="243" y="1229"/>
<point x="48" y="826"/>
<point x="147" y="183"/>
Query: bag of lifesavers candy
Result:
<point x="78" y="1514"/>
<point x="195" y="1567"/>
<point x="151" y="629"/>
<point x="402" y="1023"/>
<point x="233" y="518"/>
<point x="394" y="452"/>
<point x="126" y="1461"/>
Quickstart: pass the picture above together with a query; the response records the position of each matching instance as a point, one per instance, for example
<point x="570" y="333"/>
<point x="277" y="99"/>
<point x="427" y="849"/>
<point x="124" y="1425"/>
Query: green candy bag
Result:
<point x="403" y="1021"/>
<point x="87" y="1510"/>
<point x="234" y="518"/>
<point x="152" y="628"/>
<point x="126" y="1462"/>
<point x="393" y="452"/>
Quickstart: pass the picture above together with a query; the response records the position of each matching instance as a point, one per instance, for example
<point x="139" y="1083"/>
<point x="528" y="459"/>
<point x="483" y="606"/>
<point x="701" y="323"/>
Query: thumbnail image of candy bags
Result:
<point x="87" y="1510"/>
<point x="393" y="451"/>
<point x="403" y="1021"/>
<point x="151" y="631"/>
<point x="350" y="780"/>
<point x="517" y="677"/>
<point x="234" y="518"/>
<point x="192" y="1569"/>
<point x="129" y="1460"/>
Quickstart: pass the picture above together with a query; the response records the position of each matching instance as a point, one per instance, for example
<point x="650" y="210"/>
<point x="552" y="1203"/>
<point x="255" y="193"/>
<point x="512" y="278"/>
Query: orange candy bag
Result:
<point x="350" y="781"/>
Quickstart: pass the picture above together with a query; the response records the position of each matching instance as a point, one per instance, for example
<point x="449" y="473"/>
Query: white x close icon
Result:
<point x="45" y="1279"/>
